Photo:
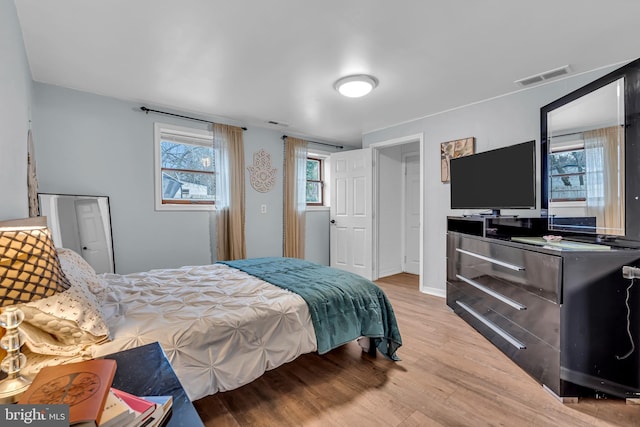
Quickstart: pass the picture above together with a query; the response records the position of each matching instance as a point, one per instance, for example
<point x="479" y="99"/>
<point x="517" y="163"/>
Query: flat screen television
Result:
<point x="504" y="178"/>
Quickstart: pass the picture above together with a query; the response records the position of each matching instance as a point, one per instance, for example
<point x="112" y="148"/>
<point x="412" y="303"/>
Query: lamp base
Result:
<point x="12" y="388"/>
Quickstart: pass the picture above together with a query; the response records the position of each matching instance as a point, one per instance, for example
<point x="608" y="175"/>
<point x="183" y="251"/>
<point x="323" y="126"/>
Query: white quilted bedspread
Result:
<point x="220" y="328"/>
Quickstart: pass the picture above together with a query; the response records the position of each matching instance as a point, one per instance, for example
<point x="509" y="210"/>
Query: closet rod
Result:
<point x="148" y="110"/>
<point x="315" y="142"/>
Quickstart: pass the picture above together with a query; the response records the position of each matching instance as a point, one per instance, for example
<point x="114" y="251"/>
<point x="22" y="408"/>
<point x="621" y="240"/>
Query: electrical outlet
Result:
<point x="629" y="272"/>
<point x="263" y="209"/>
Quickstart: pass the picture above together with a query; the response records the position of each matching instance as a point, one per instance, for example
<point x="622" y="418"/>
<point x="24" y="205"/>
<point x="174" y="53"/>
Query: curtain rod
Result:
<point x="148" y="110"/>
<point x="315" y="142"/>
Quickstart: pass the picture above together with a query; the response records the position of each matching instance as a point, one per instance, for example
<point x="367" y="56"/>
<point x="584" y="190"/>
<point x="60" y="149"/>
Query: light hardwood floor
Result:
<point x="449" y="376"/>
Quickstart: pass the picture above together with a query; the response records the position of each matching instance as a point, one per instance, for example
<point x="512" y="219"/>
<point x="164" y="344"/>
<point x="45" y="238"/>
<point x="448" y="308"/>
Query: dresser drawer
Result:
<point x="534" y="272"/>
<point x="535" y="314"/>
<point x="536" y="357"/>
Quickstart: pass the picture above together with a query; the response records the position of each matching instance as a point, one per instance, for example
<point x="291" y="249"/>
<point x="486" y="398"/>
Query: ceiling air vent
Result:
<point x="547" y="75"/>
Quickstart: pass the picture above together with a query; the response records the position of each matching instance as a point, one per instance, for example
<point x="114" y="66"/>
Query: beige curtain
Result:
<point x="295" y="199"/>
<point x="229" y="151"/>
<point x="604" y="158"/>
<point x="32" y="178"/>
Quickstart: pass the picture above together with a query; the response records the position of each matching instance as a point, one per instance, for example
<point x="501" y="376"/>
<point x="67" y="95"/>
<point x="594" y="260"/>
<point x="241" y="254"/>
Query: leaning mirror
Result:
<point x="585" y="174"/>
<point x="82" y="224"/>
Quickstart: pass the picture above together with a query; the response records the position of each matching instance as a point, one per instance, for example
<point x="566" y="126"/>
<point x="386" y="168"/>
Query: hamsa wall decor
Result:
<point x="263" y="176"/>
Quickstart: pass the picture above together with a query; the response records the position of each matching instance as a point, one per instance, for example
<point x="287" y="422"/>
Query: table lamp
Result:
<point x="29" y="270"/>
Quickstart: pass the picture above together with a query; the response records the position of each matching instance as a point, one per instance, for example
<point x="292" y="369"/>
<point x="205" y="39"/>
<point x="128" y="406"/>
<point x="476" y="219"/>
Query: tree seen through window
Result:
<point x="315" y="193"/>
<point x="187" y="172"/>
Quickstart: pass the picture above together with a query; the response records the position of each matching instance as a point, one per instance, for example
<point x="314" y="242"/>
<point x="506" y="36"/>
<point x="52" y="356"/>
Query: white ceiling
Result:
<point x="247" y="62"/>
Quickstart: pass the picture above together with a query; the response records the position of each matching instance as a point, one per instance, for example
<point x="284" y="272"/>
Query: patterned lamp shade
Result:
<point x="29" y="265"/>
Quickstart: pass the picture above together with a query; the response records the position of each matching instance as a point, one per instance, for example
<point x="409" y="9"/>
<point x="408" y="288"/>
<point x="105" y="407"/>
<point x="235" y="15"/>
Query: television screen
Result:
<point x="504" y="178"/>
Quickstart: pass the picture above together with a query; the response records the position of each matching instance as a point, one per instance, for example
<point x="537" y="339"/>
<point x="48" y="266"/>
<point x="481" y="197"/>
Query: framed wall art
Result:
<point x="451" y="150"/>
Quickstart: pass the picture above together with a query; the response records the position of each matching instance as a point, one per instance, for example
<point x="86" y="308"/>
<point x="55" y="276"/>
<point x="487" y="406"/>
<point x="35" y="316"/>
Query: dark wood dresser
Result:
<point x="560" y="314"/>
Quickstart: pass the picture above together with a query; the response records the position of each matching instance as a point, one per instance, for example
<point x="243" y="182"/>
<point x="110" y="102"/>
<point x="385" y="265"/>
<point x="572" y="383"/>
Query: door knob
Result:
<point x="333" y="221"/>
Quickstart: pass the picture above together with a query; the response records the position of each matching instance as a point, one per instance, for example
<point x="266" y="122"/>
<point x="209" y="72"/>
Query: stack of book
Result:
<point x="86" y="388"/>
<point x="124" y="409"/>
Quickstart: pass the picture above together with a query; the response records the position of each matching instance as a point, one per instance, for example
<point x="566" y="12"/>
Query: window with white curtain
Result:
<point x="184" y="168"/>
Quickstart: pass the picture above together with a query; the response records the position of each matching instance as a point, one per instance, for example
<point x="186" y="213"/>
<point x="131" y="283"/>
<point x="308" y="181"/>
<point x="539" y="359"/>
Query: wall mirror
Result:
<point x="588" y="138"/>
<point x="82" y="224"/>
<point x="585" y="152"/>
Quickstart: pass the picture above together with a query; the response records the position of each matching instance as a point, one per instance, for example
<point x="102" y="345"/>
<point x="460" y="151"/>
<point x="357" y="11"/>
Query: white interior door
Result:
<point x="351" y="215"/>
<point x="92" y="236"/>
<point x="411" y="209"/>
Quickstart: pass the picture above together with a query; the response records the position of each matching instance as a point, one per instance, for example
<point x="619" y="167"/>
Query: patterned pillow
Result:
<point x="78" y="270"/>
<point x="29" y="265"/>
<point x="68" y="322"/>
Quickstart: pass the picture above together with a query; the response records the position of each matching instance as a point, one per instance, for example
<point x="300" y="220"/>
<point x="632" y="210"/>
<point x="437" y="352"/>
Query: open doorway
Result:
<point x="398" y="207"/>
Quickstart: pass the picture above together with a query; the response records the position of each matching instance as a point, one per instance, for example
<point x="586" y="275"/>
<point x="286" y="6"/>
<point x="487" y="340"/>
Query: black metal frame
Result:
<point x="631" y="73"/>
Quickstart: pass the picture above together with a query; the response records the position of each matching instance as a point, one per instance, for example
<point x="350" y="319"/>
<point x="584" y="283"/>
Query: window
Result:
<point x="185" y="168"/>
<point x="567" y="175"/>
<point x="318" y="177"/>
<point x="315" y="184"/>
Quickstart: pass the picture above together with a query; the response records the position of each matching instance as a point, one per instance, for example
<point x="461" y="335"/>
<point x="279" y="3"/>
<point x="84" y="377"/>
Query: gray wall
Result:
<point x="317" y="236"/>
<point x="264" y="231"/>
<point x="15" y="108"/>
<point x="95" y="145"/>
<point x="494" y="123"/>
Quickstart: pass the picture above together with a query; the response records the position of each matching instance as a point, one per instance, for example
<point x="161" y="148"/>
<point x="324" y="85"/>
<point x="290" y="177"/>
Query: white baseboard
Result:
<point x="436" y="292"/>
<point x="390" y="271"/>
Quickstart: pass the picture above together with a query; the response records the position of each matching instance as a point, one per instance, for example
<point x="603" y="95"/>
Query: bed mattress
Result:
<point x="220" y="327"/>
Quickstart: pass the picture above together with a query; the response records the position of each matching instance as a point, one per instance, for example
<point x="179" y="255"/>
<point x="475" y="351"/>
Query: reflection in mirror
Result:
<point x="586" y="163"/>
<point x="82" y="224"/>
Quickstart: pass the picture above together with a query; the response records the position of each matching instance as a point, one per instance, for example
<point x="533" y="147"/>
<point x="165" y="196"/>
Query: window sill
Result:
<point x="317" y="208"/>
<point x="568" y="204"/>
<point x="184" y="207"/>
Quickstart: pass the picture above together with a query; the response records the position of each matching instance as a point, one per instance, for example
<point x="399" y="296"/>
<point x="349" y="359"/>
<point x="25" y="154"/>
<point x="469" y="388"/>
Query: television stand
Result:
<point x="558" y="314"/>
<point x="497" y="227"/>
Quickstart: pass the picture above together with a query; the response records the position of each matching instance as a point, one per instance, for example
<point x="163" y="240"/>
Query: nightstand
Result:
<point x="146" y="371"/>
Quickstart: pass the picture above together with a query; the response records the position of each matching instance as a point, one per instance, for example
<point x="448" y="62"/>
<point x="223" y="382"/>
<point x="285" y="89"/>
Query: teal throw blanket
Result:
<point x="343" y="305"/>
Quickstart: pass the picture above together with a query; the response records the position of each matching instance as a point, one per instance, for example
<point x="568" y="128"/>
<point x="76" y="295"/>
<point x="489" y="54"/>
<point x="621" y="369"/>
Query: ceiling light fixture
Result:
<point x="356" y="86"/>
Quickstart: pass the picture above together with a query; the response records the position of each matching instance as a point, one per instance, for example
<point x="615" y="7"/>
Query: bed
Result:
<point x="221" y="325"/>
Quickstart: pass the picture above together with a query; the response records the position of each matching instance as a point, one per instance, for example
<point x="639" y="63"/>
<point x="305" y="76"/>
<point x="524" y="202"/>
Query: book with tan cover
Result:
<point x="84" y="386"/>
<point x="116" y="413"/>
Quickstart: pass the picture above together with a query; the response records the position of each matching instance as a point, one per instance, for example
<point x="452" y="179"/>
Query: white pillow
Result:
<point x="43" y="343"/>
<point x="68" y="322"/>
<point x="77" y="269"/>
